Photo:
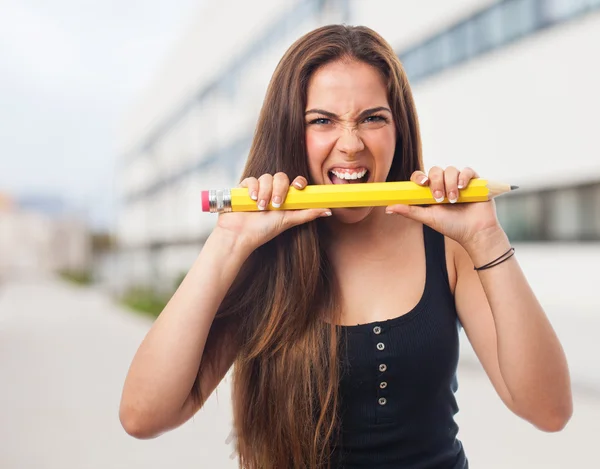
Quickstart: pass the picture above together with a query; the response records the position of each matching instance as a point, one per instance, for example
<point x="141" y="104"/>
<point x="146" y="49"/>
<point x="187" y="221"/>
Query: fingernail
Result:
<point x="461" y="184"/>
<point x="254" y="195"/>
<point x="262" y="204"/>
<point x="326" y="214"/>
<point x="276" y="202"/>
<point x="298" y="185"/>
<point x="452" y="197"/>
<point x="424" y="180"/>
<point x="389" y="212"/>
<point x="438" y="196"/>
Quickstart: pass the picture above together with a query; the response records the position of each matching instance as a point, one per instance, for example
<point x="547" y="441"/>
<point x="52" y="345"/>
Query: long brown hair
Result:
<point x="285" y="380"/>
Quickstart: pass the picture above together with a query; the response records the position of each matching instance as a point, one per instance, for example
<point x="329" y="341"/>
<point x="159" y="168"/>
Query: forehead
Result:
<point x="346" y="86"/>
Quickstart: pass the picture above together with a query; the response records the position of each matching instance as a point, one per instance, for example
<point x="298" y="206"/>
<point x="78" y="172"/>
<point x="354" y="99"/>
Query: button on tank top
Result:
<point x="398" y="379"/>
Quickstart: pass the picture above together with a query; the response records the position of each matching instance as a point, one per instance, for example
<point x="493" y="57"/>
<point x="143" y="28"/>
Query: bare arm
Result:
<point x="511" y="335"/>
<point x="157" y="395"/>
<point x="503" y="319"/>
<point x="157" y="392"/>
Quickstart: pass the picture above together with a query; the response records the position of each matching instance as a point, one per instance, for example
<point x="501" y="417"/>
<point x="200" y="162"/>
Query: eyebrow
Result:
<point x="363" y="114"/>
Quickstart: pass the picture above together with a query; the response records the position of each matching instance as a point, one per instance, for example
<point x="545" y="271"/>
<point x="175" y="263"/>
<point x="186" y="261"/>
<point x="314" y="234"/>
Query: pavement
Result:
<point x="64" y="354"/>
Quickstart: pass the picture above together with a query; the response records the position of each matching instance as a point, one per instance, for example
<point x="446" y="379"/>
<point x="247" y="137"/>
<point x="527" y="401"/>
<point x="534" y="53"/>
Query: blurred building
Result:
<point x="37" y="236"/>
<point x="509" y="88"/>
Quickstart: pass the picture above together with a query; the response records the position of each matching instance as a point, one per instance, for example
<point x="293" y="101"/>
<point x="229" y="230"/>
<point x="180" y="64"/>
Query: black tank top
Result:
<point x="398" y="379"/>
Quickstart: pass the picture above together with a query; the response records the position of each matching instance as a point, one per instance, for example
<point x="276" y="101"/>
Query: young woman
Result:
<point x="343" y="324"/>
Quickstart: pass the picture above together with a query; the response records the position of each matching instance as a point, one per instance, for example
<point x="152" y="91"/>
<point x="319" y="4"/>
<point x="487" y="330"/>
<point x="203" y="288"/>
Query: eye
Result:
<point x="376" y="118"/>
<point x="319" y="121"/>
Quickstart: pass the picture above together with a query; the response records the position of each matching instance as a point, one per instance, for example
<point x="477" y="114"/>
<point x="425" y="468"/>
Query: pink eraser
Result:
<point x="205" y="203"/>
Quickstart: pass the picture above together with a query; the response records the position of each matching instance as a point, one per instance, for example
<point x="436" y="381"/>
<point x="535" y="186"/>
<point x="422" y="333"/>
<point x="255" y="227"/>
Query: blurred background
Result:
<point x="115" y="115"/>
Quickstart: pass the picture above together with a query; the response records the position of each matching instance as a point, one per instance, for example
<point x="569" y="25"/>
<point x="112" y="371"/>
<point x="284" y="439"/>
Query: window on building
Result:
<point x="414" y="63"/>
<point x="564" y="217"/>
<point x="519" y="18"/>
<point x="560" y="10"/>
<point x="590" y="212"/>
<point x="459" y="43"/>
<point x="522" y="217"/>
<point x="488" y="29"/>
<point x="435" y="57"/>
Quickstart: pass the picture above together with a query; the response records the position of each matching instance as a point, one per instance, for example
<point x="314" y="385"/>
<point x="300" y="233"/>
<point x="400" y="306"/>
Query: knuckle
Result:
<point x="285" y="222"/>
<point x="436" y="174"/>
<point x="451" y="176"/>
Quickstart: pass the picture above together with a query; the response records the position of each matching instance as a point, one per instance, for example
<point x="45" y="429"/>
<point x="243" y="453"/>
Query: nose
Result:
<point x="350" y="142"/>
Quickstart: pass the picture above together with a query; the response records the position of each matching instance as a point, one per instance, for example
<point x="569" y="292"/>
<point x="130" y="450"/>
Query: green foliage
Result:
<point x="79" y="277"/>
<point x="149" y="301"/>
<point x="179" y="279"/>
<point x="145" y="300"/>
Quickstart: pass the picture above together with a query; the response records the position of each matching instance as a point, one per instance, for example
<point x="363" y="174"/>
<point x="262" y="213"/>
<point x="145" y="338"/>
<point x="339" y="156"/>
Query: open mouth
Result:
<point x="348" y="176"/>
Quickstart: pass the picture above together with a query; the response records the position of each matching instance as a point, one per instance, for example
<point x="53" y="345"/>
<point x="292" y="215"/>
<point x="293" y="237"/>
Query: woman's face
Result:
<point x="350" y="132"/>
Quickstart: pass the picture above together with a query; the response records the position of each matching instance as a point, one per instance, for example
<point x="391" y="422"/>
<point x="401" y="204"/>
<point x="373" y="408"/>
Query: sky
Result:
<point x="69" y="71"/>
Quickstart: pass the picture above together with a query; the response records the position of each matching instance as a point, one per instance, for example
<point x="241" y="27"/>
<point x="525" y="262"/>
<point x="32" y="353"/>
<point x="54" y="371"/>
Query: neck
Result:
<point x="371" y="233"/>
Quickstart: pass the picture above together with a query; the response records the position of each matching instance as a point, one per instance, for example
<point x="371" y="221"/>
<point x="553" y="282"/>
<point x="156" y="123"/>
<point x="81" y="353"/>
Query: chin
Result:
<point x="351" y="216"/>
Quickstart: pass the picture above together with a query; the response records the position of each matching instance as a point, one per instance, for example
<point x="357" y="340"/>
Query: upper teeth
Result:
<point x="356" y="175"/>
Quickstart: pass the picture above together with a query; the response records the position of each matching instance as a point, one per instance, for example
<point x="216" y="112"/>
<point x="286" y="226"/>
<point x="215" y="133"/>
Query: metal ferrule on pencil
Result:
<point x="219" y="201"/>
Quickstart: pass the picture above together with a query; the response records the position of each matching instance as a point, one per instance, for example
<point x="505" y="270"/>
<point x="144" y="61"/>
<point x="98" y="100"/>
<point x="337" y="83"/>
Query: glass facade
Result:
<point x="489" y="29"/>
<point x="564" y="214"/>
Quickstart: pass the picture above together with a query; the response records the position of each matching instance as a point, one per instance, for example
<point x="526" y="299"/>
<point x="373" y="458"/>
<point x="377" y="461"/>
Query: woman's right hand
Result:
<point x="253" y="229"/>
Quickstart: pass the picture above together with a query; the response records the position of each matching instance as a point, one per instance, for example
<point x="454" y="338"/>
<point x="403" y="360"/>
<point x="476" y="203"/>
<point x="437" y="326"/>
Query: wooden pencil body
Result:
<point x="364" y="195"/>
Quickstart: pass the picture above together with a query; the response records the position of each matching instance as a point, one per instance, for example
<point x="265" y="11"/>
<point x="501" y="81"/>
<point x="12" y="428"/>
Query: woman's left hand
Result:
<point x="464" y="223"/>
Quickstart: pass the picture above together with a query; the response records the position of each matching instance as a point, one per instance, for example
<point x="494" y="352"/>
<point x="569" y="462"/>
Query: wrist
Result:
<point x="487" y="245"/>
<point x="228" y="243"/>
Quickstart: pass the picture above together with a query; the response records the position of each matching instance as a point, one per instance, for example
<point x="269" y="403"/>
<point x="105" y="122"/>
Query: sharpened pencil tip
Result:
<point x="514" y="188"/>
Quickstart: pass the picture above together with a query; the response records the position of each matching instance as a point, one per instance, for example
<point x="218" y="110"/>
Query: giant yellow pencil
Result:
<point x="350" y="195"/>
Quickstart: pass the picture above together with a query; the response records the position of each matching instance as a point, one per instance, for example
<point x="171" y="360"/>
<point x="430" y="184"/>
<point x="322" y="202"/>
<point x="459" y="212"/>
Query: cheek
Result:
<point x="382" y="146"/>
<point x="318" y="147"/>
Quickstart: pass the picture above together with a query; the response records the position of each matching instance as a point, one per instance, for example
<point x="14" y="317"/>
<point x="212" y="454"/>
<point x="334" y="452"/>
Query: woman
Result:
<point x="343" y="324"/>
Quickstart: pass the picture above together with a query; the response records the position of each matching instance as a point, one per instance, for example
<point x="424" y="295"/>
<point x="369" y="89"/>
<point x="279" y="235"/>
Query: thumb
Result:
<point x="297" y="217"/>
<point x="414" y="212"/>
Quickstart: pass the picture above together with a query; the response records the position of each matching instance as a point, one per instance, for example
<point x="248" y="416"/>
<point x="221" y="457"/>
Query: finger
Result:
<point x="297" y="217"/>
<point x="252" y="184"/>
<point x="421" y="214"/>
<point x="281" y="184"/>
<point x="451" y="183"/>
<point x="300" y="182"/>
<point x="420" y="178"/>
<point x="265" y="187"/>
<point x="465" y="176"/>
<point x="436" y="183"/>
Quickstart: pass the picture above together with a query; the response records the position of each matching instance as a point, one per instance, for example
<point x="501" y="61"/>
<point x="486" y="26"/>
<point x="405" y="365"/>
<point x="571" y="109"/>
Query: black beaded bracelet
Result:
<point x="503" y="258"/>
